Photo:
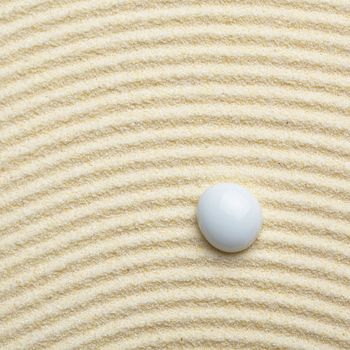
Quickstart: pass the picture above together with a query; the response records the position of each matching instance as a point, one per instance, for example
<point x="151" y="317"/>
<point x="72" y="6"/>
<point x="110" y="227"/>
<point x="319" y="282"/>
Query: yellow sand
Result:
<point x="115" y="116"/>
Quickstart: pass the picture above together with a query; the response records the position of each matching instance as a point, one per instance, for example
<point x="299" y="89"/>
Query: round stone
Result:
<point x="229" y="217"/>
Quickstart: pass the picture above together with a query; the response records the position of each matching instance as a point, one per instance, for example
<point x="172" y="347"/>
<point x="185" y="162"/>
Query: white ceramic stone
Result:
<point x="229" y="217"/>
